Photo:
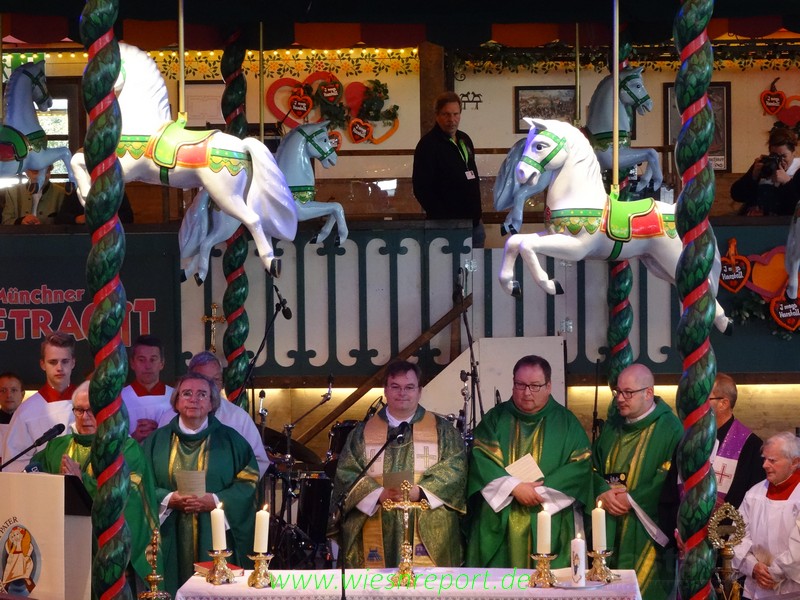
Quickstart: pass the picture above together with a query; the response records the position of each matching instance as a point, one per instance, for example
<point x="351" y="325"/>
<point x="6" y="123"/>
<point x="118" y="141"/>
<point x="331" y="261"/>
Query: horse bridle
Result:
<point x="540" y="166"/>
<point x="310" y="139"/>
<point x="36" y="82"/>
<point x="623" y="85"/>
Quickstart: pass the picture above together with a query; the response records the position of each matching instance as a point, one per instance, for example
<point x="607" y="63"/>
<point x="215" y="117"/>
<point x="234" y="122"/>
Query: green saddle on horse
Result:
<point x="172" y="138"/>
<point x="621" y="215"/>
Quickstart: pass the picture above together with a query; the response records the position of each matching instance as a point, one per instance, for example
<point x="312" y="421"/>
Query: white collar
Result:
<point x="185" y="429"/>
<point x="395" y="422"/>
<point x="640" y="417"/>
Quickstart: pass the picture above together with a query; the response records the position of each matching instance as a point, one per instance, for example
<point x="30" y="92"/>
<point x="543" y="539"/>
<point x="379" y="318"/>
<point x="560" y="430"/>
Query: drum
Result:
<point x="313" y="506"/>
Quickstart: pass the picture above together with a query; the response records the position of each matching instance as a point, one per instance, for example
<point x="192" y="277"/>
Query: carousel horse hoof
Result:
<point x="275" y="268"/>
<point x="516" y="290"/>
<point x="503" y="230"/>
<point x="198" y="280"/>
<point x="313" y="240"/>
<point x="729" y="329"/>
<point x="183" y="276"/>
<point x="512" y="230"/>
<point x="337" y="242"/>
<point x="559" y="289"/>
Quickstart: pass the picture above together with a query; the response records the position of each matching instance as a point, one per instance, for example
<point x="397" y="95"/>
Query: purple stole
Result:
<point x="727" y="457"/>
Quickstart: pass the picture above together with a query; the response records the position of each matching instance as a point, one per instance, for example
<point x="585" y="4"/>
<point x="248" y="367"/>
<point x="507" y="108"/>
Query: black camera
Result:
<point x="770" y="164"/>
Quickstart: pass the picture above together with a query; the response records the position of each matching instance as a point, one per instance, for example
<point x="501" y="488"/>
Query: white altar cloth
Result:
<point x="432" y="584"/>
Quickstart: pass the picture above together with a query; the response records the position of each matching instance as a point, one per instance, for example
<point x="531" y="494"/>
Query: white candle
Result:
<point x="578" y="561"/>
<point x="261" y="542"/>
<point x="543" y="531"/>
<point x="218" y="529"/>
<point x="599" y="529"/>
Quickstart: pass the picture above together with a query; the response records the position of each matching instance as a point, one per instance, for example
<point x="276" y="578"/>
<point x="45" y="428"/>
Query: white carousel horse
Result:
<point x="632" y="96"/>
<point x="582" y="223"/>
<point x="23" y="143"/>
<point x="510" y="194"/>
<point x="241" y="176"/>
<point x="301" y="144"/>
<point x="792" y="256"/>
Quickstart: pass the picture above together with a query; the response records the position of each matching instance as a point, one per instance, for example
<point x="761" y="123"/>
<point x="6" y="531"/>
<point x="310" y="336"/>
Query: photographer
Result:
<point x="772" y="184"/>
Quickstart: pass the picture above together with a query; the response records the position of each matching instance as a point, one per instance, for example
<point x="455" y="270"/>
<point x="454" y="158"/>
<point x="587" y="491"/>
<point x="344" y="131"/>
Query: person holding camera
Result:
<point x="772" y="184"/>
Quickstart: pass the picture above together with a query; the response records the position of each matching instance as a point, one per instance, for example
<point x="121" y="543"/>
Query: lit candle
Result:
<point x="218" y="528"/>
<point x="261" y="542"/>
<point x="578" y="561"/>
<point x="543" y="531"/>
<point x="599" y="529"/>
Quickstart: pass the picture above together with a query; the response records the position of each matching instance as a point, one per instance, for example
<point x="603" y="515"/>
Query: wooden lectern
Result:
<point x="45" y="536"/>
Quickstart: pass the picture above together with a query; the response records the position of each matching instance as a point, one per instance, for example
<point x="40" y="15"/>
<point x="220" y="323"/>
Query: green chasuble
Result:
<point x="643" y="452"/>
<point x="559" y="445"/>
<point x="141" y="509"/>
<point x="231" y="474"/>
<point x="438" y="528"/>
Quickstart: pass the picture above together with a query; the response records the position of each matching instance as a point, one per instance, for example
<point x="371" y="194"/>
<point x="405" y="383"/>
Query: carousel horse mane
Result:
<point x="140" y="76"/>
<point x="15" y="80"/>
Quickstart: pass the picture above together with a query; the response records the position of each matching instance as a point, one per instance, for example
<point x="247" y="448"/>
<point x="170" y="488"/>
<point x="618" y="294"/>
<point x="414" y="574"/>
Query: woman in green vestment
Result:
<point x="196" y="441"/>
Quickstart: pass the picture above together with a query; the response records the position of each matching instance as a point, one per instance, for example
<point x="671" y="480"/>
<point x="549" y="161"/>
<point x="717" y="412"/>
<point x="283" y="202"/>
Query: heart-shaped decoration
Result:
<point x="277" y="96"/>
<point x="336" y="139"/>
<point x="769" y="274"/>
<point x="785" y="313"/>
<point x="330" y="91"/>
<point x="772" y="101"/>
<point x="790" y="113"/>
<point x="360" y="131"/>
<point x="300" y="104"/>
<point x="354" y="96"/>
<point x="735" y="272"/>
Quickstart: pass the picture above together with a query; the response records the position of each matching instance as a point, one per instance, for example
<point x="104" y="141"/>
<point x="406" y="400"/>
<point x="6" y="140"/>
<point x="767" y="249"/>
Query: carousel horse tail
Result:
<point x="269" y="195"/>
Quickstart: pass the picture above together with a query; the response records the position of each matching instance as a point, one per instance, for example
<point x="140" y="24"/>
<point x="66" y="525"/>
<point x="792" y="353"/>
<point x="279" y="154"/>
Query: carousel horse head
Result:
<point x="547" y="148"/>
<point x="35" y="91"/>
<point x="632" y="91"/>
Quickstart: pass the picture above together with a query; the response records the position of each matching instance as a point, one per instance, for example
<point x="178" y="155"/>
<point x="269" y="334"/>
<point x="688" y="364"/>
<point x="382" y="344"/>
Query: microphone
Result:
<point x="287" y="312"/>
<point x="497" y="399"/>
<point x="402" y="431"/>
<point x="327" y="395"/>
<point x="33" y="467"/>
<point x="464" y="376"/>
<point x="48" y="435"/>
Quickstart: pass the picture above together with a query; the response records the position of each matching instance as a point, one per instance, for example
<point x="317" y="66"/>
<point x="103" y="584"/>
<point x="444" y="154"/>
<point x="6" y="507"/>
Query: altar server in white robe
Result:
<point x="769" y="553"/>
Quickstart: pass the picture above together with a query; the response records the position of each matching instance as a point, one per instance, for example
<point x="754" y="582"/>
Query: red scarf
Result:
<point x="782" y="491"/>
<point x="50" y="394"/>
<point x="159" y="389"/>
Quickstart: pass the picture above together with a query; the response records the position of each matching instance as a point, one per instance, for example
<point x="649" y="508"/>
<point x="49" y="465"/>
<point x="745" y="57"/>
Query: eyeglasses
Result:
<point x="79" y="412"/>
<point x="11" y="390"/>
<point x="628" y="394"/>
<point x="716" y="398"/>
<point x="396" y="389"/>
<point x="188" y="394"/>
<point x="531" y="387"/>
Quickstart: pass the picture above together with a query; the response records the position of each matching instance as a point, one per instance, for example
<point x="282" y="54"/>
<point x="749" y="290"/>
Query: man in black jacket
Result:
<point x="446" y="181"/>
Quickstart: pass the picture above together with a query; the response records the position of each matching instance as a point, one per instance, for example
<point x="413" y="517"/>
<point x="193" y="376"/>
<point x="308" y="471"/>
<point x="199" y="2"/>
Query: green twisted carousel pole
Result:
<point x="694" y="266"/>
<point x="238" y="324"/>
<point x="111" y="533"/>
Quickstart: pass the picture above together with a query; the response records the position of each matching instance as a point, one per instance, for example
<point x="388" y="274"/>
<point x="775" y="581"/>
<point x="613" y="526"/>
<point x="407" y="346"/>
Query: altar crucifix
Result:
<point x="405" y="573"/>
<point x="213" y="319"/>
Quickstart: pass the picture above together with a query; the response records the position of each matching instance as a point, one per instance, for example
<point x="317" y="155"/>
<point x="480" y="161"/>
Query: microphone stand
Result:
<point x="35" y="444"/>
<point x="343" y="496"/>
<point x="597" y="424"/>
<point x="475" y="389"/>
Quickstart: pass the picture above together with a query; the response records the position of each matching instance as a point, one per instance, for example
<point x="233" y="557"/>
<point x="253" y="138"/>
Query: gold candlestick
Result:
<point x="220" y="572"/>
<point x="543" y="576"/>
<point x="600" y="571"/>
<point x="260" y="578"/>
<point x="153" y="579"/>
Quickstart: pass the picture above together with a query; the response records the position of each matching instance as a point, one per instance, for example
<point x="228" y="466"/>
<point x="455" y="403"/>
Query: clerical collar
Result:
<point x="50" y="394"/>
<point x="185" y="429"/>
<point x="640" y="417"/>
<point x="394" y="422"/>
<point x="159" y="389"/>
<point x="784" y="489"/>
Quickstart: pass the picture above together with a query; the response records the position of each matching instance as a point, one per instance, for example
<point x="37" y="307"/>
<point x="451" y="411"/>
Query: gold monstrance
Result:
<point x="405" y="572"/>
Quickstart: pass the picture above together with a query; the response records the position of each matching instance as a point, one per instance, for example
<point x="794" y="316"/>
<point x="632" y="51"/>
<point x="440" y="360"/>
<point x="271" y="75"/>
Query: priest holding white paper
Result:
<point x="527" y="452"/>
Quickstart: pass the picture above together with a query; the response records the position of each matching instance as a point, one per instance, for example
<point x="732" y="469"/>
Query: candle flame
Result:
<point x="219" y="506"/>
<point x="599" y="504"/>
<point x="579" y="536"/>
<point x="266" y="507"/>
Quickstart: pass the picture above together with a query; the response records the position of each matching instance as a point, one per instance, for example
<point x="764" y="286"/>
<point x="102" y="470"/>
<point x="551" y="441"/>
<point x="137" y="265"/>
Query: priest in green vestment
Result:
<point x="503" y="509"/>
<point x="71" y="455"/>
<point x="431" y="456"/>
<point x="631" y="459"/>
<point x="196" y="441"/>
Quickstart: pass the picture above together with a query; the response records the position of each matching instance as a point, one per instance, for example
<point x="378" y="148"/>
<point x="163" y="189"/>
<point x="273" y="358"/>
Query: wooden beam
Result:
<point x="377" y="379"/>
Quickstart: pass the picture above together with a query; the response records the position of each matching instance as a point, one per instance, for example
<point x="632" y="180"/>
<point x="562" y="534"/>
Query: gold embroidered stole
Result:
<point x="426" y="453"/>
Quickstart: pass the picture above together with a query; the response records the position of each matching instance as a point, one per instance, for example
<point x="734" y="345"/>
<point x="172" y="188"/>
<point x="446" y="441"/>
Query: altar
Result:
<point x="432" y="583"/>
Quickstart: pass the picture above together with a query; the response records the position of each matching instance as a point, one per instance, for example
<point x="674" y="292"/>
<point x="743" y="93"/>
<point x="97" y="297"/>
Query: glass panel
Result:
<point x="56" y="120"/>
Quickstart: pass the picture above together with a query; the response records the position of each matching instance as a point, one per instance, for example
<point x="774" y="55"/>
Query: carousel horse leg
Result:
<point x="527" y="245"/>
<point x="82" y="176"/>
<point x="341" y="223"/>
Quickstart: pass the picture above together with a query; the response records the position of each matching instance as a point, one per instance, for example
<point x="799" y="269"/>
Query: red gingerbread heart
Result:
<point x="300" y="104"/>
<point x="336" y="139"/>
<point x="735" y="272"/>
<point x="772" y="101"/>
<point x="330" y="91"/>
<point x="277" y="91"/>
<point x="360" y="131"/>
<point x="785" y="313"/>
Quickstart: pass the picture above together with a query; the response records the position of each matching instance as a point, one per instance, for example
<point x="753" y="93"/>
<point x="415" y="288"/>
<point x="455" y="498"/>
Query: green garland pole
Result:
<point x="111" y="534"/>
<point x="237" y="246"/>
<point x="694" y="266"/>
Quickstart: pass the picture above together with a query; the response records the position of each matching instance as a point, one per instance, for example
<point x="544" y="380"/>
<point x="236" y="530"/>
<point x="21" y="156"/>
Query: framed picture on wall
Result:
<point x="719" y="94"/>
<point x="545" y="102"/>
<point x="203" y="103"/>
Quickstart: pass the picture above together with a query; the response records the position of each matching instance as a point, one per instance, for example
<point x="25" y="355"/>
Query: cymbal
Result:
<point x="277" y="441"/>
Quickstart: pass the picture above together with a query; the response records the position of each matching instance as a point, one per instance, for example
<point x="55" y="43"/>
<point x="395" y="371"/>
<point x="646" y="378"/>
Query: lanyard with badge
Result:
<point x="464" y="152"/>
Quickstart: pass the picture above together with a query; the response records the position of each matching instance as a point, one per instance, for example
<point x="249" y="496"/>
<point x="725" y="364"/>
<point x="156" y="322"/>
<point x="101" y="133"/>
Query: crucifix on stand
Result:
<point x="213" y="319"/>
<point x="405" y="572"/>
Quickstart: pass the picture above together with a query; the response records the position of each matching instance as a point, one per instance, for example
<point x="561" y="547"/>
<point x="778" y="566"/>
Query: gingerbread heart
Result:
<point x="300" y="104"/>
<point x="735" y="272"/>
<point x="772" y="101"/>
<point x="360" y="131"/>
<point x="786" y="313"/>
<point x="336" y="139"/>
<point x="330" y="91"/>
<point x="277" y="95"/>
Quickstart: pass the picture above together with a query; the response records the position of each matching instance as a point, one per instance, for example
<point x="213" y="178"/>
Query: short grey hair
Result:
<point x="216" y="399"/>
<point x="82" y="388"/>
<point x="791" y="444"/>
